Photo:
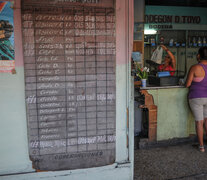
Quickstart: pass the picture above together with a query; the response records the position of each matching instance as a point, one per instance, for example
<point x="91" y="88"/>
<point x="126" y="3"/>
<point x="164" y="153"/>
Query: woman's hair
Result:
<point x="203" y="53"/>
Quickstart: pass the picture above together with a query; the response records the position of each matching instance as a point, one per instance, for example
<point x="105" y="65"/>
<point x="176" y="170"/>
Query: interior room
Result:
<point x="161" y="108"/>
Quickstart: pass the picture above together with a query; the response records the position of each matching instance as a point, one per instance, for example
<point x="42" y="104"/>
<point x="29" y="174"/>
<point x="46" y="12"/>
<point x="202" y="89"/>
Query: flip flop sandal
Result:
<point x="201" y="149"/>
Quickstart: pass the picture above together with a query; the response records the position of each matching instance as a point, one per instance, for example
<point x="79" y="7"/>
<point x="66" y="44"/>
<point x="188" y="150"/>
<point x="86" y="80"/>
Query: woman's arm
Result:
<point x="171" y="56"/>
<point x="190" y="76"/>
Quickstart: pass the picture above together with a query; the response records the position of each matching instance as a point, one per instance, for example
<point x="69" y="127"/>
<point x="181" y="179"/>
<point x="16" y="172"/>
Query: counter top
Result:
<point x="161" y="87"/>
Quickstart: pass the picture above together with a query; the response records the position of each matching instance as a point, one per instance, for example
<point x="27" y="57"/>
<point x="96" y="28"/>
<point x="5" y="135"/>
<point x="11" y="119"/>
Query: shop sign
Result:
<point x="171" y="17"/>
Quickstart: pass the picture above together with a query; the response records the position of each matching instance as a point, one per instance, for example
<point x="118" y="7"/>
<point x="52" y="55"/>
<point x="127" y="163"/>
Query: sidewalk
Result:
<point x="172" y="162"/>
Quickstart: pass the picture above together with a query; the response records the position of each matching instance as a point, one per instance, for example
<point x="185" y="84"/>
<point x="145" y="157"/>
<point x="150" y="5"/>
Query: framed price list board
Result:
<point x="70" y="83"/>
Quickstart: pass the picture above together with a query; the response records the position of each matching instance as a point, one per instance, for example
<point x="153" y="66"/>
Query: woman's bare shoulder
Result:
<point x="196" y="66"/>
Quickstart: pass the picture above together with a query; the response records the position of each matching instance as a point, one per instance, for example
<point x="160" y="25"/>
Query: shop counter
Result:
<point x="169" y="113"/>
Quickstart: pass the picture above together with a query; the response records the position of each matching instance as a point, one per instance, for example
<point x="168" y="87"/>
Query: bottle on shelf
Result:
<point x="152" y="40"/>
<point x="183" y="44"/>
<point x="177" y="44"/>
<point x="199" y="42"/>
<point x="194" y="41"/>
<point x="204" y="41"/>
<point x="171" y="42"/>
<point x="190" y="44"/>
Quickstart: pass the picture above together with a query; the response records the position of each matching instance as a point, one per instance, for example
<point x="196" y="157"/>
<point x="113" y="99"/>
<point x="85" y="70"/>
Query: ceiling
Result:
<point x="187" y="3"/>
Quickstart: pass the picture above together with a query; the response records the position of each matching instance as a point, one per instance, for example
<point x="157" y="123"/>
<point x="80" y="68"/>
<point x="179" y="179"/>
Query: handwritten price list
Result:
<point x="69" y="56"/>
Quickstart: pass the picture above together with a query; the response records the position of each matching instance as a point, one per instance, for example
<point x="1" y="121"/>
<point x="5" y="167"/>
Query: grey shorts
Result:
<point x="199" y="108"/>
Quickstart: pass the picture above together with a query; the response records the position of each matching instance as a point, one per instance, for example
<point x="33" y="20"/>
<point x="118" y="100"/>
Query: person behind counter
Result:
<point x="169" y="62"/>
<point x="197" y="81"/>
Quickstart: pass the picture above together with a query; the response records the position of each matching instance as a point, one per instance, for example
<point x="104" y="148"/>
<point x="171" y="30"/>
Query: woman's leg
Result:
<point x="198" y="110"/>
<point x="199" y="131"/>
<point x="205" y="125"/>
<point x="205" y="115"/>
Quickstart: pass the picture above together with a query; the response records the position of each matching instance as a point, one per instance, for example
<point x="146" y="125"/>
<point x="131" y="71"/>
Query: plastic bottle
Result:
<point x="199" y="42"/>
<point x="204" y="41"/>
<point x="152" y="41"/>
<point x="171" y="42"/>
<point x="194" y="41"/>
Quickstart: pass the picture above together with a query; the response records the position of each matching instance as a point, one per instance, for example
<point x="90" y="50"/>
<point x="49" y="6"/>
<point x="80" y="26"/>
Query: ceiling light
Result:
<point x="150" y="31"/>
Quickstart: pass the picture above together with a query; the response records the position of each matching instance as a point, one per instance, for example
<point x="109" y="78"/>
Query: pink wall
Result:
<point x="124" y="36"/>
<point x="18" y="34"/>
